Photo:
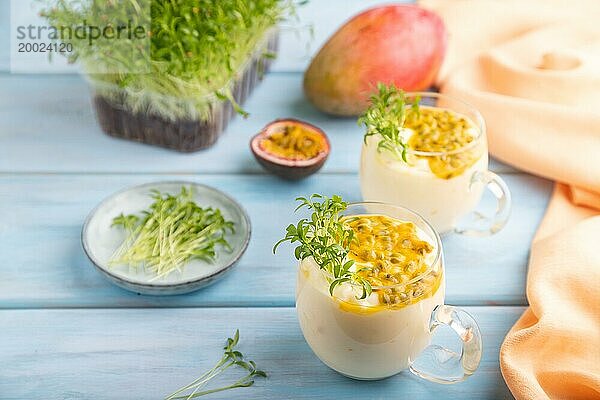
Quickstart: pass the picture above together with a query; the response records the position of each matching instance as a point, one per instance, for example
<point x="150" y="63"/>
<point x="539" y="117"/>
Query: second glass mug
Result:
<point x="364" y="342"/>
<point x="442" y="201"/>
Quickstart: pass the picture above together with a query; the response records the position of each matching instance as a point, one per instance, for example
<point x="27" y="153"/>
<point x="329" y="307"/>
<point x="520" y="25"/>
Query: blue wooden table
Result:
<point x="66" y="333"/>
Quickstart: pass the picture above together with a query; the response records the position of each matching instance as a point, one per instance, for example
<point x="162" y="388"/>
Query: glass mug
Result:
<point x="444" y="202"/>
<point x="375" y="342"/>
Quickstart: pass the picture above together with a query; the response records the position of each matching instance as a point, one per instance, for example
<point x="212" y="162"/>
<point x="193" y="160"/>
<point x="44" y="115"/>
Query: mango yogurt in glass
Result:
<point x="377" y="334"/>
<point x="444" y="170"/>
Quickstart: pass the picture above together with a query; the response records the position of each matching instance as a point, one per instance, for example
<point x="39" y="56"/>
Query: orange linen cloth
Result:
<point x="533" y="70"/>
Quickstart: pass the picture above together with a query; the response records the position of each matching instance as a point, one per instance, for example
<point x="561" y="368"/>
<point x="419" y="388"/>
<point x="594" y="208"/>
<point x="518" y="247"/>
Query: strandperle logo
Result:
<point x="101" y="36"/>
<point x="85" y="31"/>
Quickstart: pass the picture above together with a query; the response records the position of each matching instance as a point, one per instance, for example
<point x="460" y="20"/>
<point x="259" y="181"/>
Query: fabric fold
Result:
<point x="533" y="70"/>
<point x="553" y="351"/>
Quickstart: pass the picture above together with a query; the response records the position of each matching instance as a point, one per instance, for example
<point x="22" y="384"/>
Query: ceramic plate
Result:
<point x="100" y="240"/>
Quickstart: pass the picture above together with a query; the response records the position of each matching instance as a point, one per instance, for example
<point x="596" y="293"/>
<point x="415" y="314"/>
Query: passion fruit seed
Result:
<point x="390" y="262"/>
<point x="293" y="142"/>
<point x="290" y="148"/>
<point x="439" y="130"/>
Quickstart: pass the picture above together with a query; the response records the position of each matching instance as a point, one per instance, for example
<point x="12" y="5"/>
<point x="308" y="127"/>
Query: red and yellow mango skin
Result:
<point x="400" y="44"/>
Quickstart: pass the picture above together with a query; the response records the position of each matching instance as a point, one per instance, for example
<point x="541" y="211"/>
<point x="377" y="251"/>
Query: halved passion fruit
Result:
<point x="290" y="148"/>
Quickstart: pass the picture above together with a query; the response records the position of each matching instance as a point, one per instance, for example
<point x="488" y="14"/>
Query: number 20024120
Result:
<point x="45" y="48"/>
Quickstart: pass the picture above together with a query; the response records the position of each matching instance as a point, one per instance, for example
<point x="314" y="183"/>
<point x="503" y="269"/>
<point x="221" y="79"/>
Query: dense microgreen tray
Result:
<point x="194" y="49"/>
<point x="199" y="61"/>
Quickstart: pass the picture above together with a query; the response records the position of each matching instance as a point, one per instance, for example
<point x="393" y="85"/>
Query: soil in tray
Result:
<point x="181" y="135"/>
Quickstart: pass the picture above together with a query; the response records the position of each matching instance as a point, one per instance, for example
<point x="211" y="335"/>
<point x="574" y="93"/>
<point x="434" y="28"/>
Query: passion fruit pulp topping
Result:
<point x="389" y="253"/>
<point x="442" y="130"/>
<point x="290" y="148"/>
<point x="293" y="142"/>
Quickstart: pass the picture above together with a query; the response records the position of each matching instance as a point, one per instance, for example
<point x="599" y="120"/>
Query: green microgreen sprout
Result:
<point x="326" y="239"/>
<point x="170" y="233"/>
<point x="231" y="357"/>
<point x="194" y="52"/>
<point x="385" y="117"/>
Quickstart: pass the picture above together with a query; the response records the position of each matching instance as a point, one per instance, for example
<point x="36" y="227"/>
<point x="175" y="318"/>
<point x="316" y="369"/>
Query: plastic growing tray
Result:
<point x="184" y="134"/>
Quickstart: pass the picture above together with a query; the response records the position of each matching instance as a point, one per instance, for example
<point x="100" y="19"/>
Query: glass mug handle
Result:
<point x="441" y="365"/>
<point x="499" y="190"/>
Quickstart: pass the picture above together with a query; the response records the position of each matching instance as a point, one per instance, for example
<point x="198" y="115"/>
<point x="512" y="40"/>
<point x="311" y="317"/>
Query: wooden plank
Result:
<point x="47" y="125"/>
<point x="143" y="354"/>
<point x="43" y="264"/>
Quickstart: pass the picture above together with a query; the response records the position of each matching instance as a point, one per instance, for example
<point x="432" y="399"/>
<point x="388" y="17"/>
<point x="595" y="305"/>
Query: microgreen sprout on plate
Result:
<point x="171" y="232"/>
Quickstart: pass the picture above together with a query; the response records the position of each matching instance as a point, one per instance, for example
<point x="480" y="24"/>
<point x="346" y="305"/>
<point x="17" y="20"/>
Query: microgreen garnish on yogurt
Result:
<point x="171" y="232"/>
<point x="326" y="239"/>
<point x="231" y="357"/>
<point x="385" y="117"/>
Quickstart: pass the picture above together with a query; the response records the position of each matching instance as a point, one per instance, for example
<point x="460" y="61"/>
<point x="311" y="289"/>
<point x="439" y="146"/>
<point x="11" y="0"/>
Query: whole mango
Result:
<point x="400" y="44"/>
